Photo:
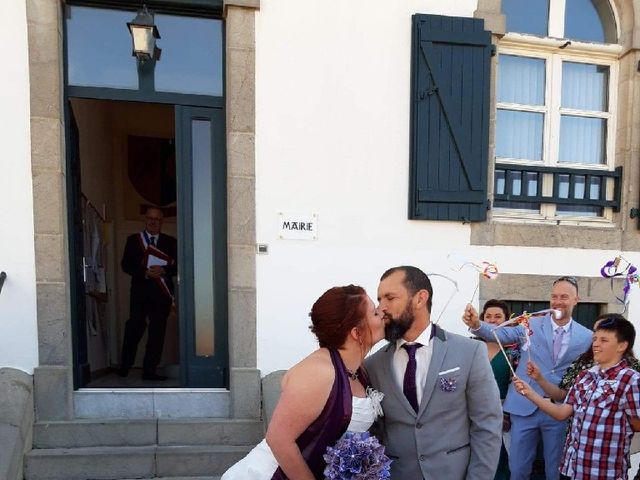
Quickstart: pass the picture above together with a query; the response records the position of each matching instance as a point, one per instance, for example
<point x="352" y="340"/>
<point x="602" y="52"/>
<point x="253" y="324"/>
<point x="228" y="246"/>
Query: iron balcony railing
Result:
<point x="523" y="183"/>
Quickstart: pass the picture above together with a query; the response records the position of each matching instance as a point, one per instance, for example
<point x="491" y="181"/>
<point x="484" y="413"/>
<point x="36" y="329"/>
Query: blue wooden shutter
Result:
<point x="451" y="64"/>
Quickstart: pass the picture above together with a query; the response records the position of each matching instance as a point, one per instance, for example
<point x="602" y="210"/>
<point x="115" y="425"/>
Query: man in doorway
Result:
<point x="442" y="412"/>
<point x="149" y="257"/>
<point x="555" y="342"/>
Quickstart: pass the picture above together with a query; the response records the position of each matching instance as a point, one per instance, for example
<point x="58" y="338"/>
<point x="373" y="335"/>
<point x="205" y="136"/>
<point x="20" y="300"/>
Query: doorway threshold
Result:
<point x="152" y="403"/>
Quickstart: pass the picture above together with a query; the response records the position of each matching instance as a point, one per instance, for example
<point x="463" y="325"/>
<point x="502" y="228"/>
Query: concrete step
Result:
<point x="95" y="433"/>
<point x="197" y="460"/>
<point x="210" y="431"/>
<point x="112" y="463"/>
<point x="90" y="463"/>
<point x="141" y="432"/>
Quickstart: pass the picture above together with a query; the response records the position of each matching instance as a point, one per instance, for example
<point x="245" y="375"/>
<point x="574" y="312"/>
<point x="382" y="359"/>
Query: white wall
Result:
<point x="332" y="123"/>
<point x="18" y="331"/>
<point x="332" y="110"/>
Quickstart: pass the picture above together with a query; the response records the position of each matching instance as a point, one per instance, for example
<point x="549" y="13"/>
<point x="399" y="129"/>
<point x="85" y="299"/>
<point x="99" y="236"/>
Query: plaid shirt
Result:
<point x="598" y="443"/>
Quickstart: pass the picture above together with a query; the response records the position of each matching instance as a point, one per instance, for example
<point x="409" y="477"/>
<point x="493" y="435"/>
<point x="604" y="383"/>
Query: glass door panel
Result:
<point x="203" y="252"/>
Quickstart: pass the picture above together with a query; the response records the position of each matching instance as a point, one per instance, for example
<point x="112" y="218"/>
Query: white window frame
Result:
<point x="549" y="49"/>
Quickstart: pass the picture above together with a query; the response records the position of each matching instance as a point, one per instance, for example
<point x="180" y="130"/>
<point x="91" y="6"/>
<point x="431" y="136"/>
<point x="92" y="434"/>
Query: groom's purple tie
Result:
<point x="409" y="384"/>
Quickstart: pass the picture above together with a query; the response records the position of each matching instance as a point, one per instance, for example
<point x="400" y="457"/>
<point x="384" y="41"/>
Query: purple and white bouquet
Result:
<point x="357" y="456"/>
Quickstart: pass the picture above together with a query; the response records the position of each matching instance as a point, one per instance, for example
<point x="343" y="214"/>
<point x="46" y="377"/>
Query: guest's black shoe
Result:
<point x="153" y="376"/>
<point x="123" y="372"/>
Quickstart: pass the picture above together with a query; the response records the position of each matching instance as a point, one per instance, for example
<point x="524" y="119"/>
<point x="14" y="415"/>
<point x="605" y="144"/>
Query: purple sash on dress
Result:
<point x="330" y="424"/>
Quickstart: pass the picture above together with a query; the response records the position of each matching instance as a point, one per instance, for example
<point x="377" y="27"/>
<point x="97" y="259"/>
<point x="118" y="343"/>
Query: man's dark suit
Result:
<point x="148" y="300"/>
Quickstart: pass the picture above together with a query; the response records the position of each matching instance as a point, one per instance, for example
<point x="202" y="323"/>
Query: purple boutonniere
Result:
<point x="447" y="384"/>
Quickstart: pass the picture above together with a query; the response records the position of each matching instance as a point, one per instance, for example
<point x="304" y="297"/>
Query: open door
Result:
<point x="202" y="246"/>
<point x="82" y="374"/>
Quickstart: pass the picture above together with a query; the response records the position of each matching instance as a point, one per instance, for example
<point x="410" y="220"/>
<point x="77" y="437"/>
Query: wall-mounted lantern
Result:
<point x="144" y="34"/>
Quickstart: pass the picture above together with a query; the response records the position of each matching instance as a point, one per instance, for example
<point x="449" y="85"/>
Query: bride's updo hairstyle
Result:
<point x="336" y="312"/>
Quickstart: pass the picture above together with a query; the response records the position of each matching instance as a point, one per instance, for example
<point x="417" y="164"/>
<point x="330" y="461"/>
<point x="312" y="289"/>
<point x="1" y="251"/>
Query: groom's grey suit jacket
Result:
<point x="455" y="434"/>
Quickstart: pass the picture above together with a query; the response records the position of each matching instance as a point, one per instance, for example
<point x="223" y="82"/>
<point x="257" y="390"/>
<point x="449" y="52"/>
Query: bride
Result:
<point x="323" y="396"/>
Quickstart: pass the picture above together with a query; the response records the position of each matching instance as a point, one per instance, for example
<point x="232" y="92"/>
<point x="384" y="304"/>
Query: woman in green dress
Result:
<point x="495" y="312"/>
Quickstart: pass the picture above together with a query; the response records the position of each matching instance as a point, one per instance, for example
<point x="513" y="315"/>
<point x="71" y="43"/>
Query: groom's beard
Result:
<point x="397" y="327"/>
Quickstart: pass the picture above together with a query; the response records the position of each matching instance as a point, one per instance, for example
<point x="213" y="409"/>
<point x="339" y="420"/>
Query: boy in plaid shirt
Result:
<point x="605" y="404"/>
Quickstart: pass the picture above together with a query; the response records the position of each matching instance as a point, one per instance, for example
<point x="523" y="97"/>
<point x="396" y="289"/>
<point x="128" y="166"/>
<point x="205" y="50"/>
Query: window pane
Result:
<point x="578" y="210"/>
<point x="191" y="59"/>
<point x="500" y="183"/>
<point x="594" y="188"/>
<point x="589" y="21"/>
<point x="521" y="206"/>
<point x="585" y="86"/>
<point x="578" y="186"/>
<point x="519" y="135"/>
<point x="582" y="140"/>
<point x="515" y="179"/>
<point x="563" y="186"/>
<point x="521" y="80"/>
<point x="531" y="184"/>
<point x="99" y="48"/>
<point x="527" y="16"/>
<point x="202" y="236"/>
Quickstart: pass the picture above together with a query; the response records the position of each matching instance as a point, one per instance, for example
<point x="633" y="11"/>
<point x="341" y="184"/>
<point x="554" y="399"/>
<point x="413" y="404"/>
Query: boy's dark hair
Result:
<point x="623" y="328"/>
<point x="414" y="281"/>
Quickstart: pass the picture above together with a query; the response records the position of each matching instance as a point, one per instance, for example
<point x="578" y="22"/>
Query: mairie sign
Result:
<point x="298" y="226"/>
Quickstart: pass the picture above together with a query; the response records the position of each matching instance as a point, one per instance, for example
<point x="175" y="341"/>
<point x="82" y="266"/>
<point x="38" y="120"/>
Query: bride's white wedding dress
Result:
<point x="260" y="464"/>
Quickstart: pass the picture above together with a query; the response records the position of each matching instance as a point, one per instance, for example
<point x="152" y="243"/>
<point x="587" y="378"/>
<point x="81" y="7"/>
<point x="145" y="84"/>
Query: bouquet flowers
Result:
<point x="356" y="456"/>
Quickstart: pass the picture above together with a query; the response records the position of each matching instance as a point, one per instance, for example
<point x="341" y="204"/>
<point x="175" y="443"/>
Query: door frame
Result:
<point x="206" y="372"/>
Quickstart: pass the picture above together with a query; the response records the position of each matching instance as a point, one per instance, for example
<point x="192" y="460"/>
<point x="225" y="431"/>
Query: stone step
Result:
<point x="210" y="431"/>
<point x="90" y="463"/>
<point x="95" y="433"/>
<point x="197" y="460"/>
<point x="141" y="432"/>
<point x="109" y="463"/>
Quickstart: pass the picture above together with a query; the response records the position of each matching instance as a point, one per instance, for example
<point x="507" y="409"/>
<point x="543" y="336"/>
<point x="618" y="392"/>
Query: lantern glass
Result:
<point x="143" y="40"/>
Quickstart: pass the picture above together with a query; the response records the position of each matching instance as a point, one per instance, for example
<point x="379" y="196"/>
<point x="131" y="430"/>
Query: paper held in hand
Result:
<point x="153" y="261"/>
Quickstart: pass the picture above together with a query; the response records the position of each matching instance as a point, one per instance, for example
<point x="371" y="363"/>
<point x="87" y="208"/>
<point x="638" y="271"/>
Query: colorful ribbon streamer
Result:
<point x="612" y="269"/>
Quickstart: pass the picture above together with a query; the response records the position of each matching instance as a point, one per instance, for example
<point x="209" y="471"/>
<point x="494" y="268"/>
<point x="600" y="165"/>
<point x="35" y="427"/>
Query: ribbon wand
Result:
<point x="504" y="353"/>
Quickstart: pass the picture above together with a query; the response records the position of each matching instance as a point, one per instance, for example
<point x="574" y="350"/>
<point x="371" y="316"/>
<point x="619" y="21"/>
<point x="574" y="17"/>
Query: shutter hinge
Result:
<point x="493" y="50"/>
<point x="488" y="204"/>
<point x="428" y="92"/>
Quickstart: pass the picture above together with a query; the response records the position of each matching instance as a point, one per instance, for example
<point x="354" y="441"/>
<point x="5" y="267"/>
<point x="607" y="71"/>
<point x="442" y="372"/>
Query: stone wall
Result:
<point x="16" y="421"/>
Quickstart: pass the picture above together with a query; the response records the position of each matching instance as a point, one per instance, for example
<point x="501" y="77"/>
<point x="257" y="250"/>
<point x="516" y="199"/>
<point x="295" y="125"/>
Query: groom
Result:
<point x="442" y="412"/>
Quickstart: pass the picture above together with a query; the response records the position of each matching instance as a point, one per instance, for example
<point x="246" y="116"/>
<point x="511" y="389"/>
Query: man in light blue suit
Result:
<point x="555" y="343"/>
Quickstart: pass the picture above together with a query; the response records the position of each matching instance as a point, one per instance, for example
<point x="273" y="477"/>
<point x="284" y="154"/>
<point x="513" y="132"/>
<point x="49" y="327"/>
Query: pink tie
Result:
<point x="557" y="343"/>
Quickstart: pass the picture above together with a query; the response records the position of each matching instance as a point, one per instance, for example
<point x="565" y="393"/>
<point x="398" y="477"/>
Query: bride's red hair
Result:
<point x="336" y="312"/>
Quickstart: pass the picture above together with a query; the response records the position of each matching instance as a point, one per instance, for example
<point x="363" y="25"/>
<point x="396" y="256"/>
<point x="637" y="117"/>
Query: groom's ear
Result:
<point x="421" y="298"/>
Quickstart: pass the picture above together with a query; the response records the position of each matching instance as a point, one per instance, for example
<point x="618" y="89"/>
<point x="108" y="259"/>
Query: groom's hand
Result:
<point x="470" y="317"/>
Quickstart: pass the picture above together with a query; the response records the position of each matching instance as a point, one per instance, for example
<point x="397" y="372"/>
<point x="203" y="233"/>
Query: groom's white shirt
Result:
<point x="423" y="358"/>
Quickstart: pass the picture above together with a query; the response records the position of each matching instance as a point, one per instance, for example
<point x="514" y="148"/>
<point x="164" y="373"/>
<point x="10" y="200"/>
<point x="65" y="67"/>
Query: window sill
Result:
<point x="520" y="218"/>
<point x="536" y="231"/>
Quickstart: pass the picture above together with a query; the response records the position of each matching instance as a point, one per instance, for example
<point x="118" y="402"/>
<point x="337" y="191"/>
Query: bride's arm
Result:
<point x="305" y="390"/>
